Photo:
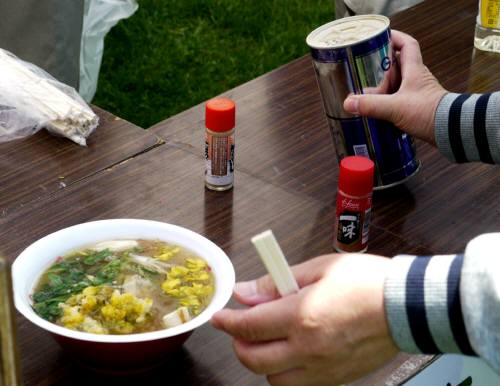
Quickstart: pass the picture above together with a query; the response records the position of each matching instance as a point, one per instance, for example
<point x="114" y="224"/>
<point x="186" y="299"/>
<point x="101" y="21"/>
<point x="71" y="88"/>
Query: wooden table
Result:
<point x="42" y="164"/>
<point x="286" y="176"/>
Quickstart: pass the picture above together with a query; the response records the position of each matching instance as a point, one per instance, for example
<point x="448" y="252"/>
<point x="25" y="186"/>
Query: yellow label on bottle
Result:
<point x="490" y="13"/>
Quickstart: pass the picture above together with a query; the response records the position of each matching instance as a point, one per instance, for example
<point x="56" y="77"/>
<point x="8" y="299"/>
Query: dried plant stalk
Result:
<point x="9" y="370"/>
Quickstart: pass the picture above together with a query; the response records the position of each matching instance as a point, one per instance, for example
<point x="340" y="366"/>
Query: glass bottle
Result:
<point x="487" y="34"/>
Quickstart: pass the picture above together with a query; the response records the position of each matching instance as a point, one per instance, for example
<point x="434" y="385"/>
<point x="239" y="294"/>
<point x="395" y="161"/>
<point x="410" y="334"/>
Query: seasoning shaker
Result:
<point x="219" y="143"/>
<point x="354" y="202"/>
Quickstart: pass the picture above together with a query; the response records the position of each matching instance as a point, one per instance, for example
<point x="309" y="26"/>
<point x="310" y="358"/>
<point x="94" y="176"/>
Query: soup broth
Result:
<point x="124" y="287"/>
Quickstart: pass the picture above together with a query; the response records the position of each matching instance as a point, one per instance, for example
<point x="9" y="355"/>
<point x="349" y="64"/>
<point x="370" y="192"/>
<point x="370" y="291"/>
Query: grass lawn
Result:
<point x="173" y="54"/>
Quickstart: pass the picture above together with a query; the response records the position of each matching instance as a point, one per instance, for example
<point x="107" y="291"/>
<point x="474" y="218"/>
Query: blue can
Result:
<point x="354" y="55"/>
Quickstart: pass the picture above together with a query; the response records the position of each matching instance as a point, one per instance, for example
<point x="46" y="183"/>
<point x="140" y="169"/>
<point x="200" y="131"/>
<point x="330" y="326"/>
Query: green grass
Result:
<point x="173" y="54"/>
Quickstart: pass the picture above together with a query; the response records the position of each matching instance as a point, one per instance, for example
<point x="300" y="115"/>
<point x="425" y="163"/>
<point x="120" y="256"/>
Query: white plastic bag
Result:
<point x="99" y="17"/>
<point x="31" y="99"/>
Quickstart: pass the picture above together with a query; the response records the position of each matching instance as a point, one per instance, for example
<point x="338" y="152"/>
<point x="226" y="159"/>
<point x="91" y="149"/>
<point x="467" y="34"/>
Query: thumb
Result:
<point x="264" y="290"/>
<point x="371" y="105"/>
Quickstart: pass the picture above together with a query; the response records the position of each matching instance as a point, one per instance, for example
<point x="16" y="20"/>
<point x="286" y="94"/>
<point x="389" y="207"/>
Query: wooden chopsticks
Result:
<point x="275" y="262"/>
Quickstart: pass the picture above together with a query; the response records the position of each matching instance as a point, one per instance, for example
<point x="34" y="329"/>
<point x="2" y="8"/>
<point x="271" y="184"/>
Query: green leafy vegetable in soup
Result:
<point x="124" y="287"/>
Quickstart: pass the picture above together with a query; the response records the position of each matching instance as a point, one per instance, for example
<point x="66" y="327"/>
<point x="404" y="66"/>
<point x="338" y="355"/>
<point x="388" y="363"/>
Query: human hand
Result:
<point x="412" y="108"/>
<point x="330" y="332"/>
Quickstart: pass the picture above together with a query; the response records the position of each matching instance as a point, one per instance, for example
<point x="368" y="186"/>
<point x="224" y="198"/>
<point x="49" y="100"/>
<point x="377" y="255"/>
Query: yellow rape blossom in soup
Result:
<point x="166" y="253"/>
<point x="102" y="310"/>
<point x="196" y="264"/>
<point x="191" y="284"/>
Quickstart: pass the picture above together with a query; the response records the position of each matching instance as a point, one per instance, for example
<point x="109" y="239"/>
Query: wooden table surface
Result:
<point x="37" y="166"/>
<point x="286" y="175"/>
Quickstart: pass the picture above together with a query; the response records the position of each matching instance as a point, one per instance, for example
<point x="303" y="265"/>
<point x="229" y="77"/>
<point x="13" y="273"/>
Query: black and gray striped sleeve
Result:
<point x="467" y="127"/>
<point x="447" y="303"/>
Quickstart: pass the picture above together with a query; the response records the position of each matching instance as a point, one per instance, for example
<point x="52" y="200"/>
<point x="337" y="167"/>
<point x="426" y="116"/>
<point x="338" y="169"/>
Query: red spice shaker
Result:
<point x="354" y="203"/>
<point x="219" y="143"/>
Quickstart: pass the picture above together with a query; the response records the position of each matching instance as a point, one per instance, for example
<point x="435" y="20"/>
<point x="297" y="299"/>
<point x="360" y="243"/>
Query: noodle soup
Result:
<point x="124" y="287"/>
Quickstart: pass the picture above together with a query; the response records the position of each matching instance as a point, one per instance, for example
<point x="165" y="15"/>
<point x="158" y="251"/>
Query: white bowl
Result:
<point x="40" y="255"/>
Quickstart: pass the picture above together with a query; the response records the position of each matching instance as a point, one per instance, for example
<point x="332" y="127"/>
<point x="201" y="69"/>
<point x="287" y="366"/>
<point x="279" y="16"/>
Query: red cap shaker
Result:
<point x="356" y="175"/>
<point x="354" y="199"/>
<point x="219" y="143"/>
<point x="220" y="114"/>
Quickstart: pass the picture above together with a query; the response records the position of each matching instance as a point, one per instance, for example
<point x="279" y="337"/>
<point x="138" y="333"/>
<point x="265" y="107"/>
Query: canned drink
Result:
<point x="354" y="55"/>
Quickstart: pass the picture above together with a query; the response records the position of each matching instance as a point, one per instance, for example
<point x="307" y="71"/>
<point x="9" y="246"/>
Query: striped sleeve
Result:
<point x="423" y="308"/>
<point x="467" y="127"/>
<point x="480" y="288"/>
<point x="448" y="303"/>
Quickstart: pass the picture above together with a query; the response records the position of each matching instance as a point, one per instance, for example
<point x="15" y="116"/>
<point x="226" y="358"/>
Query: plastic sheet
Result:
<point x="99" y="17"/>
<point x="31" y="99"/>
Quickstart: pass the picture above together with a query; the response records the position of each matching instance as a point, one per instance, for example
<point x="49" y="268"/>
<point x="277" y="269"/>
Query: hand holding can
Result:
<point x="354" y="56"/>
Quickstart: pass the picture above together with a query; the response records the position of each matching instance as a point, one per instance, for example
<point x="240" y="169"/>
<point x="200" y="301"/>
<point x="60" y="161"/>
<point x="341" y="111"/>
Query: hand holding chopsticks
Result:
<point x="314" y="335"/>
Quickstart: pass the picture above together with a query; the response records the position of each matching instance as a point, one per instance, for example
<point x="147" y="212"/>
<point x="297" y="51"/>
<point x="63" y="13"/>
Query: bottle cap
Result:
<point x="356" y="175"/>
<point x="220" y="114"/>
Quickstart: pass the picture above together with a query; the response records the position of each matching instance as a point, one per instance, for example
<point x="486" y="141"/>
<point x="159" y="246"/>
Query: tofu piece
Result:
<point x="179" y="316"/>
<point x="115" y="245"/>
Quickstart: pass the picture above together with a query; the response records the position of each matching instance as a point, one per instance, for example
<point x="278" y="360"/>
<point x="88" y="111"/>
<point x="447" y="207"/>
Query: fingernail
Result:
<point x="246" y="289"/>
<point x="352" y="105"/>
<point x="248" y="293"/>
